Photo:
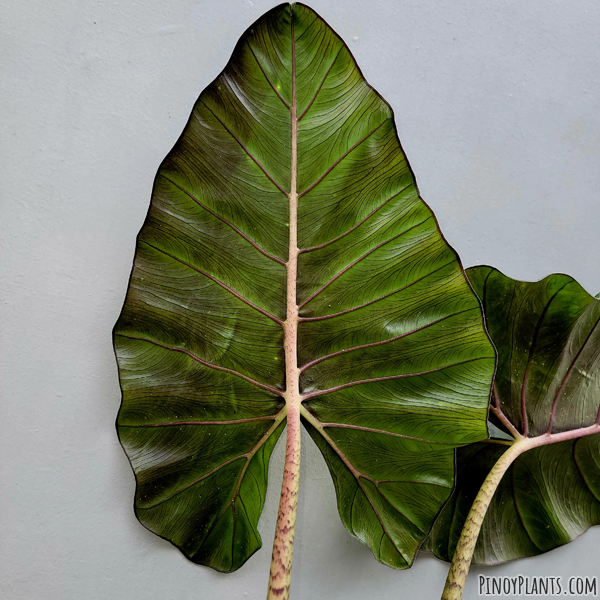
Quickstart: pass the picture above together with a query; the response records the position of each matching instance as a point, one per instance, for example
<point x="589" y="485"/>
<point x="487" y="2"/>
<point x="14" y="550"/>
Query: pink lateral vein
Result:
<point x="219" y="283"/>
<point x="505" y="421"/>
<point x="388" y="377"/>
<point x="531" y="349"/>
<point x="247" y="455"/>
<point x="204" y="363"/>
<point x="380" y="343"/>
<point x="354" y="308"/>
<point x="243" y="147"/>
<point x="320" y="85"/>
<point x="384" y="432"/>
<point x="339" y="237"/>
<point x="355" y="472"/>
<point x="266" y="76"/>
<point x="212" y="472"/>
<point x="339" y="160"/>
<point x="359" y="259"/>
<point x="231" y="422"/>
<point x="228" y="223"/>
<point x="565" y="378"/>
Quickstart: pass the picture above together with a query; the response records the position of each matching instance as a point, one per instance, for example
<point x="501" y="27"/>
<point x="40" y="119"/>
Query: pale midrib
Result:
<point x="283" y="544"/>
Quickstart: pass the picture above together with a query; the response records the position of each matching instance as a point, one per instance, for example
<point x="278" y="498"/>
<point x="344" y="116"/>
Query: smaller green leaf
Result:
<point x="548" y="384"/>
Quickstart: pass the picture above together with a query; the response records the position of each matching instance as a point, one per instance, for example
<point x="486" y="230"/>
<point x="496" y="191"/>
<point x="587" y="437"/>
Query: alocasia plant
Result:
<point x="541" y="489"/>
<point x="288" y="270"/>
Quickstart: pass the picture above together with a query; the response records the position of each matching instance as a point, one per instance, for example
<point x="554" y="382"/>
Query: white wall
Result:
<point x="497" y="106"/>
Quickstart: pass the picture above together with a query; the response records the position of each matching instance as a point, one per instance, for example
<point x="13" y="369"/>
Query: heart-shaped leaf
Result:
<point x="287" y="258"/>
<point x="547" y="387"/>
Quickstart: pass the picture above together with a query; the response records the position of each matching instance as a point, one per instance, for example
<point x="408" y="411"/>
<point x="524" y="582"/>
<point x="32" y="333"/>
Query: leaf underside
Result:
<point x="548" y="343"/>
<point x="395" y="363"/>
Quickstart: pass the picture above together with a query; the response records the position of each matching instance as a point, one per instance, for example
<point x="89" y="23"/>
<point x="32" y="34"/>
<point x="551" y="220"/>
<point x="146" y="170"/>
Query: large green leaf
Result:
<point x="394" y="365"/>
<point x="548" y="382"/>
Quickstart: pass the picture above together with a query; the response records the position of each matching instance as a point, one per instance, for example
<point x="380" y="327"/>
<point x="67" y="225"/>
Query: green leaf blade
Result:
<point x="395" y="365"/>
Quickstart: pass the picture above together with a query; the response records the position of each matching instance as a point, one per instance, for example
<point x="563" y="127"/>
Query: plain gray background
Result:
<point x="497" y="107"/>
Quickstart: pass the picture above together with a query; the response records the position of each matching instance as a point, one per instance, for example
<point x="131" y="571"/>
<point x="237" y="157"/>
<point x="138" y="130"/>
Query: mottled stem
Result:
<point x="283" y="544"/>
<point x="463" y="554"/>
<point x="459" y="569"/>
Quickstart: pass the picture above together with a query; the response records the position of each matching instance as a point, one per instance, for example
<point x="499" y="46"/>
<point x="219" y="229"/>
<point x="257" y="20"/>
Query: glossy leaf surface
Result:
<point x="394" y="364"/>
<point x="548" y="381"/>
